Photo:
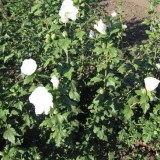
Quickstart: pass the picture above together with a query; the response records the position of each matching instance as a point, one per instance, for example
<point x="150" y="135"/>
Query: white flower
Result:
<point x="68" y="11"/>
<point x="28" y="67"/>
<point x="67" y="2"/>
<point x="113" y="14"/>
<point x="151" y="83"/>
<point x="158" y="65"/>
<point x="101" y="27"/>
<point x="55" y="81"/>
<point x="42" y="100"/>
<point x="91" y="34"/>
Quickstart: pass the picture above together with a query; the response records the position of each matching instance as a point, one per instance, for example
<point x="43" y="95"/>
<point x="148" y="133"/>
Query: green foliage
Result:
<point x="10" y="134"/>
<point x="101" y="107"/>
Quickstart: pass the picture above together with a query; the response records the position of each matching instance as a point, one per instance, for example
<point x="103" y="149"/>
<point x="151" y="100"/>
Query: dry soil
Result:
<point x="134" y="12"/>
<point x="132" y="9"/>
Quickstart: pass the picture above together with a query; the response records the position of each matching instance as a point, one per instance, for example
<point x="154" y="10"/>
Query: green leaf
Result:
<point x="58" y="135"/>
<point x="111" y="82"/>
<point x="95" y="80"/>
<point x="80" y="34"/>
<point x="73" y="94"/>
<point x="146" y="137"/>
<point x="112" y="52"/>
<point x="3" y="47"/>
<point x="101" y="67"/>
<point x="114" y="31"/>
<point x="55" y="27"/>
<point x="29" y="79"/>
<point x="64" y="44"/>
<point x="135" y="66"/>
<point x="100" y="132"/>
<point x="27" y="120"/>
<point x="145" y="107"/>
<point x="68" y="73"/>
<point x="35" y="7"/>
<point x="148" y="32"/>
<point x="128" y="113"/>
<point x="98" y="50"/>
<point x="10" y="134"/>
<point x="7" y="58"/>
<point x="38" y="12"/>
<point x="132" y="101"/>
<point x="100" y="90"/>
<point x="122" y="68"/>
<point x="3" y="114"/>
<point x="111" y="155"/>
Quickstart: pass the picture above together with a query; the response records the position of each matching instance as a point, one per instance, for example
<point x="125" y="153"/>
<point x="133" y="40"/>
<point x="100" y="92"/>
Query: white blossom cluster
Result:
<point x="68" y="11"/>
<point x="40" y="97"/>
<point x="100" y="27"/>
<point x="42" y="100"/>
<point x="151" y="83"/>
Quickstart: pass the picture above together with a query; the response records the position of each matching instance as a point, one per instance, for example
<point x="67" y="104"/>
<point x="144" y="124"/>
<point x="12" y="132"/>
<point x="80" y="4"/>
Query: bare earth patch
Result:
<point x="132" y="9"/>
<point x="133" y="12"/>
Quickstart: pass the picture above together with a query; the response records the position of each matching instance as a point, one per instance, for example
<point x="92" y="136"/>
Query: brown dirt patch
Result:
<point x="131" y="9"/>
<point x="133" y="12"/>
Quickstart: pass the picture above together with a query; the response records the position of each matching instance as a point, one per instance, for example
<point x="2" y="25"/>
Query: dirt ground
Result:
<point x="133" y="10"/>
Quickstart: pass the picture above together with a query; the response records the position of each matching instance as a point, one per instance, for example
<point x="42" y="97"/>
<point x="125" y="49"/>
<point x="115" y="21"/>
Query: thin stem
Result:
<point x="67" y="56"/>
<point x="105" y="73"/>
<point x="155" y="55"/>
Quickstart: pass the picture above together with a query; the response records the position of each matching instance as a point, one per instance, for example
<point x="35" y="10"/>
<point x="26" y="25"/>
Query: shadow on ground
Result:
<point x="135" y="34"/>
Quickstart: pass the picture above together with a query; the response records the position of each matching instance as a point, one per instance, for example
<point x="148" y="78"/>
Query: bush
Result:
<point x="101" y="108"/>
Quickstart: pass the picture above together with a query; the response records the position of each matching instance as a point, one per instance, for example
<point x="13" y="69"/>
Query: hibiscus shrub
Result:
<point x="70" y="90"/>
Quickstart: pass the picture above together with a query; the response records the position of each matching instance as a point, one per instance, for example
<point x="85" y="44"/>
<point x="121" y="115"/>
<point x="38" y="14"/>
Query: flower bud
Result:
<point x="64" y="34"/>
<point x="47" y="38"/>
<point x="55" y="81"/>
<point x="53" y="36"/>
